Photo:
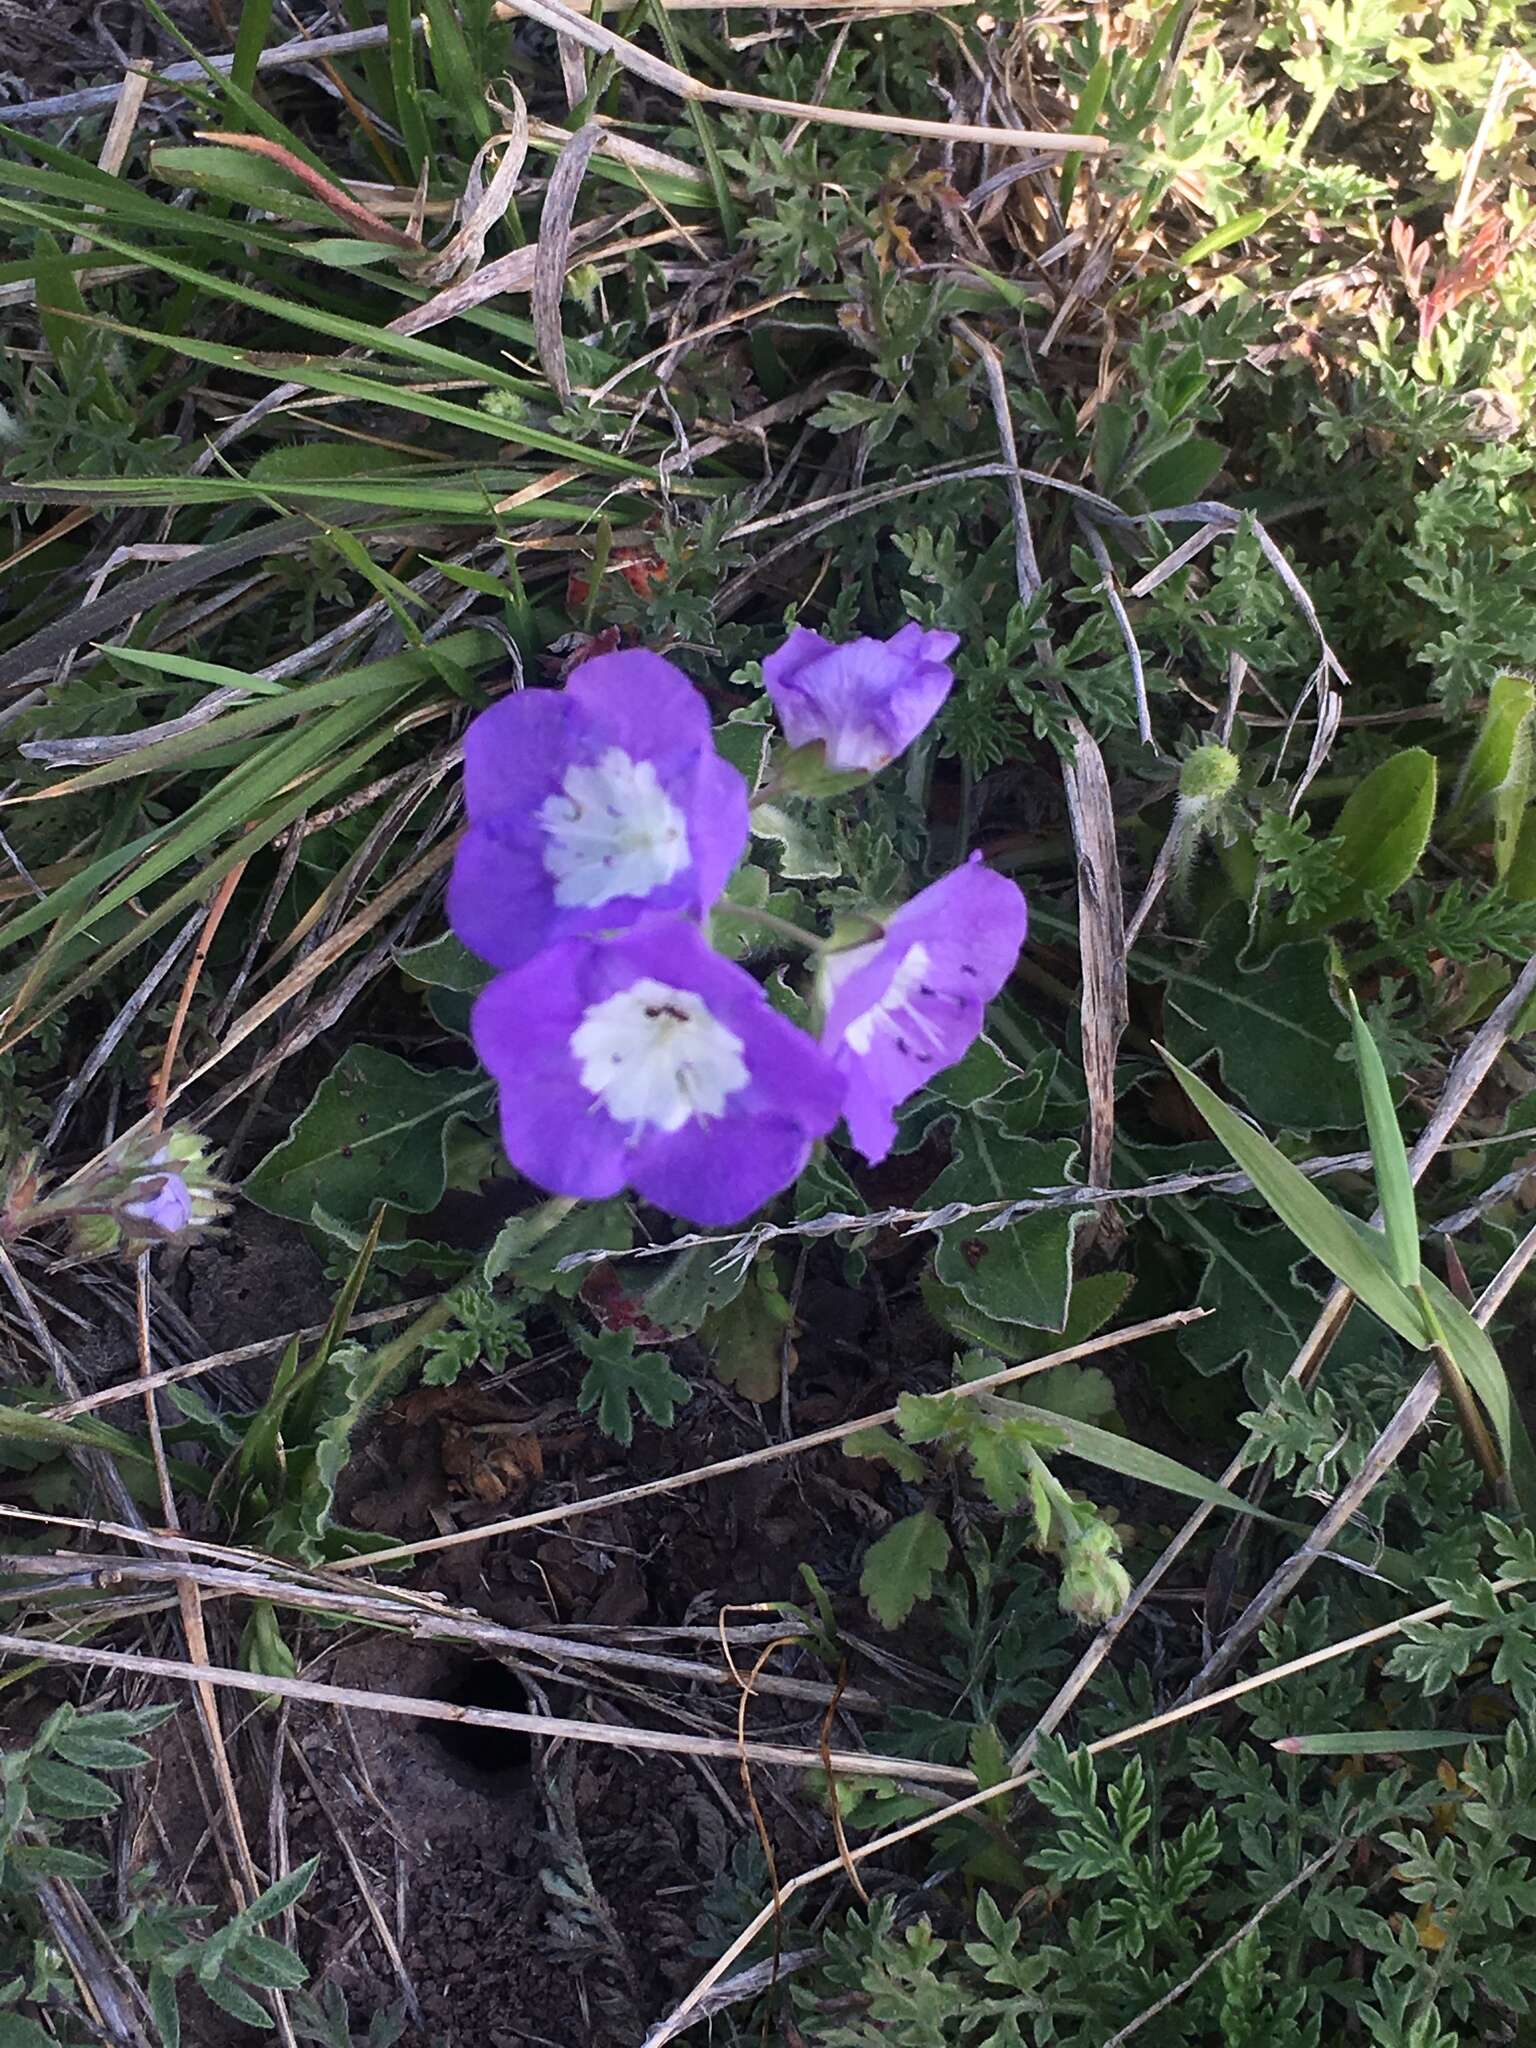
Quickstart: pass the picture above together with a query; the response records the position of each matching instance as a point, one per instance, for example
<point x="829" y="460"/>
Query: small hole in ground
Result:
<point x="482" y="1682"/>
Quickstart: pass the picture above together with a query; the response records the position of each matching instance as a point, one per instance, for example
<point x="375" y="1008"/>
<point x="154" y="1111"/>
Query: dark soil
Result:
<point x="58" y="46"/>
<point x="547" y="1894"/>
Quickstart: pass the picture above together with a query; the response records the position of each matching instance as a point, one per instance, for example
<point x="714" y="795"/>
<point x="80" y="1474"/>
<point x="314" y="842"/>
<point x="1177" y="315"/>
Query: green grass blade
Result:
<point x="1394" y="1182"/>
<point x="1306" y="1211"/>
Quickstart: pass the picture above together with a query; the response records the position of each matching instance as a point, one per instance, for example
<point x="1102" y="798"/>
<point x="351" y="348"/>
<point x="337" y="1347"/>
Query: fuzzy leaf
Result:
<point x="1275" y="1029"/>
<point x="900" y="1569"/>
<point x="1495" y="785"/>
<point x="377" y="1131"/>
<point x="1022" y="1274"/>
<point x="1384" y="828"/>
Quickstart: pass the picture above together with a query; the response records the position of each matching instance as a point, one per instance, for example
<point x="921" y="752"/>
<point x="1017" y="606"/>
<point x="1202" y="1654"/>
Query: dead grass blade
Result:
<point x="1462" y="1083"/>
<point x="553" y="254"/>
<point x="484" y="204"/>
<point x="563" y="20"/>
<point x="605" y="1735"/>
<point x="835" y="1433"/>
<point x="878" y="1845"/>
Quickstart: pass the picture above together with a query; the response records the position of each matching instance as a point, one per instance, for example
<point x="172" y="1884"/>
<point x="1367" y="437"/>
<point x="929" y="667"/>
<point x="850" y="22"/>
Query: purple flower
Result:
<point x="866" y="701"/>
<point x="647" y="1061"/>
<point x="591" y="805"/>
<point x="908" y="1004"/>
<point x="159" y="1208"/>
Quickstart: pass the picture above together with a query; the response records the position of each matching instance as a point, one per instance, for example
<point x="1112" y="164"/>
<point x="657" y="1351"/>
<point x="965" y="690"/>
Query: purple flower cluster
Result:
<point x="603" y="827"/>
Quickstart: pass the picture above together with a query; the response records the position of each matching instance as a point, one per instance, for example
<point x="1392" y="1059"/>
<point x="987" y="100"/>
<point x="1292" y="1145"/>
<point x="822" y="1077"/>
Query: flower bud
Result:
<point x="861" y="704"/>
<point x="1094" y="1584"/>
<point x="1209" y="774"/>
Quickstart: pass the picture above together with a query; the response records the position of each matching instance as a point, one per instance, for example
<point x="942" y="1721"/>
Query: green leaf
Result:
<point x="751" y="1337"/>
<point x="278" y="1897"/>
<point x="1138" y="1461"/>
<point x="692" y="1285"/>
<point x="1180" y="474"/>
<point x="886" y="1449"/>
<point x="165" y="2010"/>
<point x="1384" y="828"/>
<point x="1022" y="1274"/>
<point x="1394" y="1182"/>
<point x="67" y="1791"/>
<point x="377" y="1131"/>
<point x="808" y="850"/>
<point x="619" y="1374"/>
<point x="530" y="1247"/>
<point x="1262" y="1307"/>
<point x="1483" y="1370"/>
<point x="1520" y="876"/>
<point x="237" y="2003"/>
<point x="1305" y="1210"/>
<point x="1378" y="1741"/>
<point x="1495" y="785"/>
<point x="265" y="1962"/>
<point x="899" y="1570"/>
<point x="1275" y="1030"/>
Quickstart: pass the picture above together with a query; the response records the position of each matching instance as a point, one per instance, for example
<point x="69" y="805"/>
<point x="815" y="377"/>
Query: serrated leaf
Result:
<point x="1305" y="1210"/>
<point x="618" y="1375"/>
<point x="1384" y="827"/>
<point x="1276" y="1030"/>
<point x="376" y="1132"/>
<point x="808" y="850"/>
<point x="845" y="411"/>
<point x="889" y="1450"/>
<point x="1022" y="1274"/>
<point x="1082" y="1392"/>
<point x="899" y="1570"/>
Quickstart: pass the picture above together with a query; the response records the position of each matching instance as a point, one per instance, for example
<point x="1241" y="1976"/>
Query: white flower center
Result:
<point x="896" y="1015"/>
<point x="611" y="831"/>
<point x="653" y="1055"/>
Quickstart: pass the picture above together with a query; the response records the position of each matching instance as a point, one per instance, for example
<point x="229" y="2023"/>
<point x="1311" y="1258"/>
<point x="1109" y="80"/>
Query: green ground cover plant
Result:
<point x="1178" y="360"/>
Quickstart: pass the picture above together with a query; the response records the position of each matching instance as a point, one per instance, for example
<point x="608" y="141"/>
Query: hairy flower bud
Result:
<point x="1209" y="774"/>
<point x="1094" y="1583"/>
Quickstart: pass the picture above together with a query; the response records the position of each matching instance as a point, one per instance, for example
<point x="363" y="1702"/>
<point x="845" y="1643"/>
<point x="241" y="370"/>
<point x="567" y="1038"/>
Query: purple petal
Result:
<point x="865" y="701"/>
<point x="522" y="1027"/>
<point x="641" y="703"/>
<point x="591" y="807"/>
<point x="500" y="902"/>
<point x="719" y="821"/>
<point x="510" y="752"/>
<point x="164" y="1209"/>
<point x="912" y="1003"/>
<point x="711" y="1148"/>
